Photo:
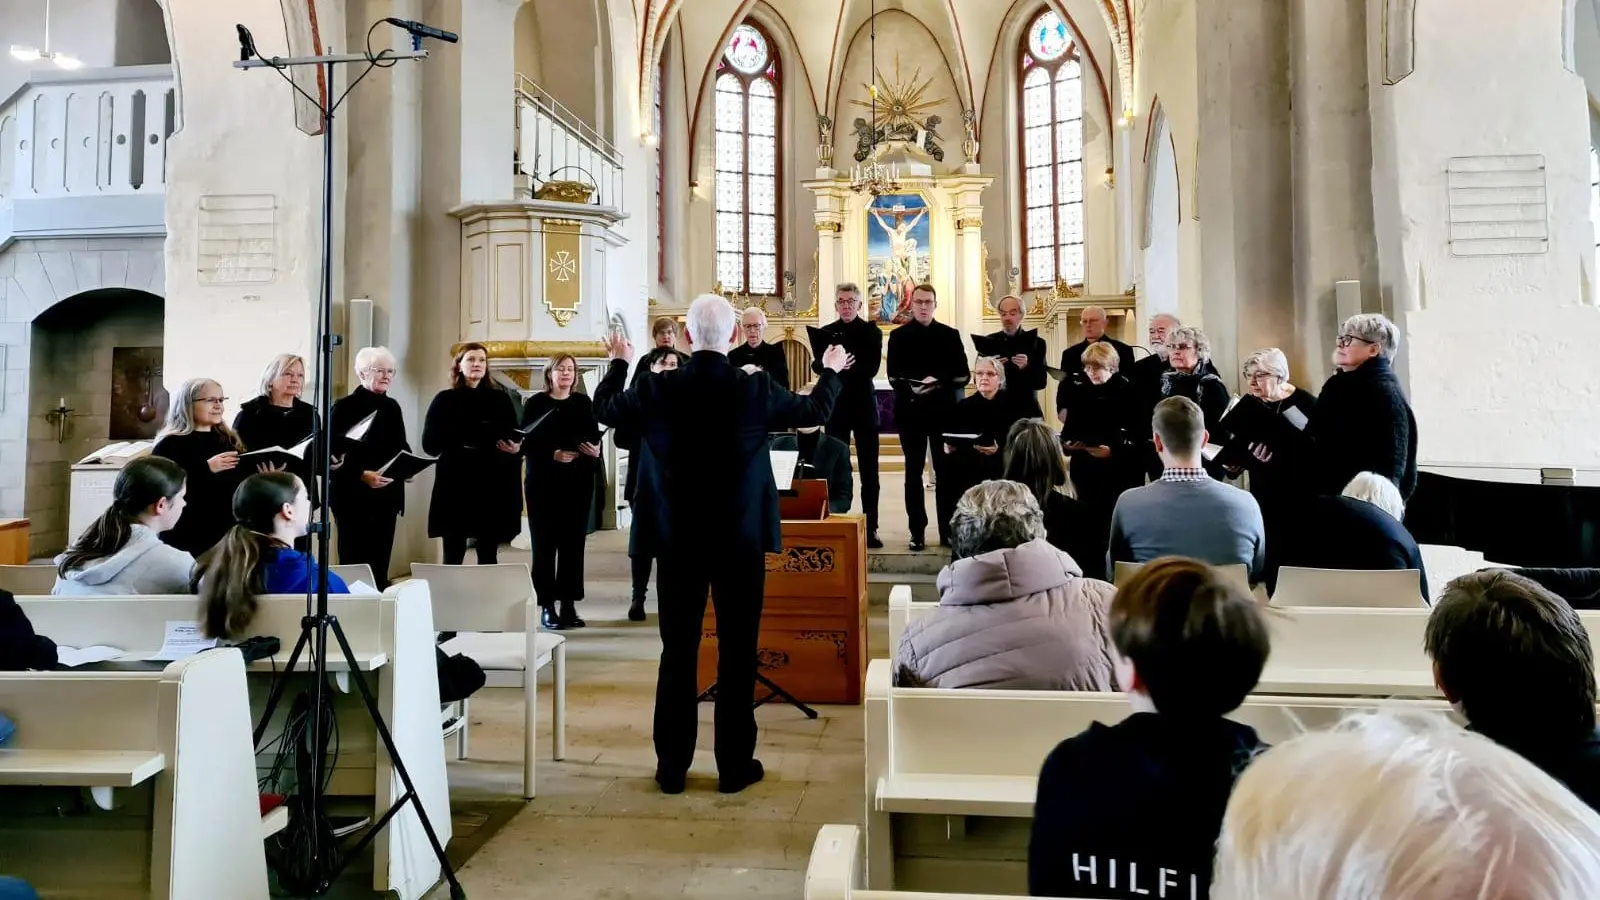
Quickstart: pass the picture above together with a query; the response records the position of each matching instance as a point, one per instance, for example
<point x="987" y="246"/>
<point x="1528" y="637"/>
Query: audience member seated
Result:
<point x="1133" y="809"/>
<point x="122" y="552"/>
<point x="257" y="556"/>
<point x="1014" y="612"/>
<point x="1360" y="530"/>
<point x="1516" y="660"/>
<point x="1186" y="512"/>
<point x="1034" y="460"/>
<point x="1384" y="808"/>
<point x="20" y="648"/>
<point x="823" y="456"/>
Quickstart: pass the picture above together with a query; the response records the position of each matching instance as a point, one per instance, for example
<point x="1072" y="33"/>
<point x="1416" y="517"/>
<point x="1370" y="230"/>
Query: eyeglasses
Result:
<point x="1260" y="376"/>
<point x="1184" y="347"/>
<point x="214" y="401"/>
<point x="375" y="372"/>
<point x="1345" y="339"/>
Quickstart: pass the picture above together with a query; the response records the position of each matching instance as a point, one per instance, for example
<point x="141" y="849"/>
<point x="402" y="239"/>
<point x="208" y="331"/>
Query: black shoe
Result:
<point x="735" y="782"/>
<point x="671" y="783"/>
<point x="569" y="616"/>
<point x="636" y="610"/>
<point x="548" y="620"/>
<point x="918" y="545"/>
<point x="872" y="541"/>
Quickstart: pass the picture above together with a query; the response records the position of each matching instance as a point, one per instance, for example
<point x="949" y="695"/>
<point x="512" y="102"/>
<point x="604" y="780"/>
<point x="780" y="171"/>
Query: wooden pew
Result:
<point x="392" y="637"/>
<point x="922" y="761"/>
<point x="834" y="872"/>
<point x="1317" y="651"/>
<point x="167" y="755"/>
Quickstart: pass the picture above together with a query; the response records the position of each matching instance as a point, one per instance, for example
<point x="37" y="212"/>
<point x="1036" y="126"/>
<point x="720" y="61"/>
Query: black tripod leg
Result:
<point x="456" y="891"/>
<point x="783" y="695"/>
<point x="280" y="684"/>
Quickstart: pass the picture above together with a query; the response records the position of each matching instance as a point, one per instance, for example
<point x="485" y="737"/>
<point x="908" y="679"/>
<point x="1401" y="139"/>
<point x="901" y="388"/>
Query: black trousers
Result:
<point x="455" y="550"/>
<point x="366" y="535"/>
<point x="914" y="443"/>
<point x="557" y="558"/>
<point x="641" y="574"/>
<point x="860" y="419"/>
<point x="735" y="581"/>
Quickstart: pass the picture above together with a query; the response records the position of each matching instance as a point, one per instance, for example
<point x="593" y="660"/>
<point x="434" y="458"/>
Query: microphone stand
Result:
<point x="324" y="863"/>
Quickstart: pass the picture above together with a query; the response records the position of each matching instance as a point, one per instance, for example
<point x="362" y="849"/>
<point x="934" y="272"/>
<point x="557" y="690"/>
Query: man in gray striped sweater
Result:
<point x="1186" y="512"/>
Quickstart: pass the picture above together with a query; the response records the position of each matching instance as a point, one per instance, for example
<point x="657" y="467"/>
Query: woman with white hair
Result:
<point x="1361" y="529"/>
<point x="1364" y="422"/>
<point x="365" y="503"/>
<point x="974" y="435"/>
<point x="1267" y="436"/>
<point x="1390" y="808"/>
<point x="197" y="438"/>
<point x="1191" y="375"/>
<point x="277" y="417"/>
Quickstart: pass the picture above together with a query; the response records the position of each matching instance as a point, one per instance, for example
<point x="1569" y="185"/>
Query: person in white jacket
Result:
<point x="121" y="552"/>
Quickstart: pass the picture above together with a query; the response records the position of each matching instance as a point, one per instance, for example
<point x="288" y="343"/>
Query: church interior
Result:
<point x="572" y="173"/>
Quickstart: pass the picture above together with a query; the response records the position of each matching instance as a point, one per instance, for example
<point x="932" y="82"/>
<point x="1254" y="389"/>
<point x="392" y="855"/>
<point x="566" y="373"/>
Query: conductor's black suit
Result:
<point x="708" y="507"/>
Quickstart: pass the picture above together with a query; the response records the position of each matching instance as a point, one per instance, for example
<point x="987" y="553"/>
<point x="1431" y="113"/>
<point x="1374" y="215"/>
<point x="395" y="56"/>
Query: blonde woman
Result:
<point x="277" y="417"/>
<point x="197" y="439"/>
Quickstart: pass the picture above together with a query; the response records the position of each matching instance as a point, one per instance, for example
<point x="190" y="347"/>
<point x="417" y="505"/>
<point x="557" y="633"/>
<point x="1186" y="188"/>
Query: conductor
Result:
<point x="708" y="507"/>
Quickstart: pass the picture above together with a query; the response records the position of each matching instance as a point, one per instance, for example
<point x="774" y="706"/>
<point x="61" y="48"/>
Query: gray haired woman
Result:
<point x="197" y="439"/>
<point x="1014" y="612"/>
<point x="1192" y="376"/>
<point x="1364" y="422"/>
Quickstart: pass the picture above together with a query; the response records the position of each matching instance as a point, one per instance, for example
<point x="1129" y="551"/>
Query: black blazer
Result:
<point x="385" y="439"/>
<point x="1342" y="533"/>
<point x="476" y="487"/>
<point x="1072" y="357"/>
<point x="769" y="356"/>
<point x="208" y="496"/>
<point x="1364" y="424"/>
<point x="705" y="477"/>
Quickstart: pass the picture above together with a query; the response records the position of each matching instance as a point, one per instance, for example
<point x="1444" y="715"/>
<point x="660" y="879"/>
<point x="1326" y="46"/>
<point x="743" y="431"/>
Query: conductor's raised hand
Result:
<point x="835" y="359"/>
<point x="588" y="449"/>
<point x="223" y="462"/>
<point x="509" y="446"/>
<point x="617" y="346"/>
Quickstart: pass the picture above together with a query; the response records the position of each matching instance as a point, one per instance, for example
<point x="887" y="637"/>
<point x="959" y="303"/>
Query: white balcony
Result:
<point x="554" y="144"/>
<point x="83" y="154"/>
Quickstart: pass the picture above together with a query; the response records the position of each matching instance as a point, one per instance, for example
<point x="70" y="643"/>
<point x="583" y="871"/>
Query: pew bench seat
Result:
<point x="1007" y="796"/>
<point x="504" y="651"/>
<point x="41" y="767"/>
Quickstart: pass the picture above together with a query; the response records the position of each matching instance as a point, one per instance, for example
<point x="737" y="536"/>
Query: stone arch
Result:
<point x="45" y="273"/>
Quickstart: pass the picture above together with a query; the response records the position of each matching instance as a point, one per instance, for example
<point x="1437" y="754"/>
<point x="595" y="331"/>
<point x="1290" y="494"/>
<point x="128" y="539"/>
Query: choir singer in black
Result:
<point x="857" y="410"/>
<point x="563" y="448"/>
<point x="755" y="352"/>
<point x="975" y="434"/>
<point x="365" y="503"/>
<point x="472" y="428"/>
<point x="707" y="501"/>
<point x="927" y="369"/>
<point x="1027" y="369"/>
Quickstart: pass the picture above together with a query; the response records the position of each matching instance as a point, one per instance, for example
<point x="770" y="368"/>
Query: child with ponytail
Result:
<point x="121" y="552"/>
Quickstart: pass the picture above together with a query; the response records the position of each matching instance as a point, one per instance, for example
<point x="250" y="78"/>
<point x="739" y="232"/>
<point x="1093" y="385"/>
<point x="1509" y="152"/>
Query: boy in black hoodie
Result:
<point x="1133" y="810"/>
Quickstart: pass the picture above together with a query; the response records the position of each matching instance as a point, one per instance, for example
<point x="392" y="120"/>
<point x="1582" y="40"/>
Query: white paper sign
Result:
<point x="783" y="465"/>
<point x="182" y="640"/>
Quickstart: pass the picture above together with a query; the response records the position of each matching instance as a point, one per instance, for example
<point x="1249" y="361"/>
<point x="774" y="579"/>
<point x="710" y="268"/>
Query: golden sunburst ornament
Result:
<point x="902" y="104"/>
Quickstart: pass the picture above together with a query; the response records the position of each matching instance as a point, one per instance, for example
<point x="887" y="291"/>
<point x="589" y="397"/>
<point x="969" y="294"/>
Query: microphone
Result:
<point x="417" y="29"/>
<point x="247" y="44"/>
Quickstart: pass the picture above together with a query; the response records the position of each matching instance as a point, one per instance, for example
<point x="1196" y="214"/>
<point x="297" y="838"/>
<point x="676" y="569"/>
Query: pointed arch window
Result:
<point x="658" y="126"/>
<point x="1051" y="106"/>
<point x="747" y="163"/>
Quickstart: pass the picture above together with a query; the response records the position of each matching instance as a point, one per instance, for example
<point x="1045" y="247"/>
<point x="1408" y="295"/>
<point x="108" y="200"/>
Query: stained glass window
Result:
<point x="748" y="167"/>
<point x="1051" y="76"/>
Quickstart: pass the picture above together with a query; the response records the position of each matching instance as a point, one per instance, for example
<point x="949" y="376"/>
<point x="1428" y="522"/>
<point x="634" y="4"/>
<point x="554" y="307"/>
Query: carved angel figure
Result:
<point x="930" y="133"/>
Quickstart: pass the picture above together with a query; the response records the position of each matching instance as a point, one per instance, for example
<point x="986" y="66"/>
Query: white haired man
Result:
<point x="756" y="354"/>
<point x="1364" y="422"/>
<point x="856" y="413"/>
<point x="364" y="503"/>
<point x="707" y="508"/>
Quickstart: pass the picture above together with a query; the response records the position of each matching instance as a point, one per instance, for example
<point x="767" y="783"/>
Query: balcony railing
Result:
<point x="554" y="144"/>
<point x="89" y="133"/>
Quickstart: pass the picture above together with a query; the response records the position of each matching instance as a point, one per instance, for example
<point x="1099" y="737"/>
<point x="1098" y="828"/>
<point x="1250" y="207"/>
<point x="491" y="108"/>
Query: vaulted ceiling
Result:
<point x="822" y="30"/>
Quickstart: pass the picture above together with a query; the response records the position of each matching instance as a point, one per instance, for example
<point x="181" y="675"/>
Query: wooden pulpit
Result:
<point x="813" y="640"/>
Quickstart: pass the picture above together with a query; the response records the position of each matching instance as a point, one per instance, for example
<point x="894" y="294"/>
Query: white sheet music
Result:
<point x="591" y="381"/>
<point x="783" y="466"/>
<point x="360" y="429"/>
<point x="1210" y="451"/>
<point x="72" y="657"/>
<point x="1296" y="417"/>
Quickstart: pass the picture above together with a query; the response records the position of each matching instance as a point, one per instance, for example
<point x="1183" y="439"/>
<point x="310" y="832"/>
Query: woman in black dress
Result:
<point x="1191" y="376"/>
<point x="1033" y="459"/>
<point x="472" y="429"/>
<point x="563" y="450"/>
<point x="1278" y="460"/>
<point x="197" y="439"/>
<point x="279" y="418"/>
<point x="1099" y="432"/>
<point x="365" y="503"/>
<point x="988" y="414"/>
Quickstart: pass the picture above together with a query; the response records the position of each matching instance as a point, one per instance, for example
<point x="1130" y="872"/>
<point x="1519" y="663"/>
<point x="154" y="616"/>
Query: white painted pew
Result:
<point x="834" y="872"/>
<point x="1379" y="588"/>
<point x="392" y="637"/>
<point x="921" y="758"/>
<point x="183" y="822"/>
<point x="27" y="579"/>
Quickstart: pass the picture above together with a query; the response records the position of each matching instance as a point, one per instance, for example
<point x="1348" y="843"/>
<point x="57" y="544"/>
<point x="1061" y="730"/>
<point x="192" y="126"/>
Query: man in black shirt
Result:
<point x="1093" y="320"/>
<point x="1517" y="660"/>
<point x="755" y="353"/>
<point x="927" y="368"/>
<point x="1024" y="356"/>
<point x="856" y="413"/>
